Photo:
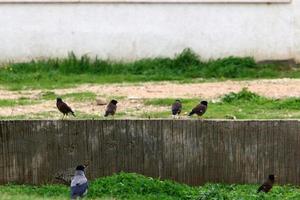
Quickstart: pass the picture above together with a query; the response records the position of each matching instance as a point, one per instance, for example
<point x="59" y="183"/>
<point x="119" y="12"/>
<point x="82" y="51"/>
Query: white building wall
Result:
<point x="132" y="31"/>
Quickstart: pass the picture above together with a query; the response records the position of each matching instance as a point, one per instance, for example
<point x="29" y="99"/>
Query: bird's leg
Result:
<point x="173" y="116"/>
<point x="63" y="117"/>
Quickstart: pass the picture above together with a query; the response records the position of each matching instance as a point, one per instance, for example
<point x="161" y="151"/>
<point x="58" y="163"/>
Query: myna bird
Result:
<point x="79" y="183"/>
<point x="200" y="109"/>
<point x="176" y="107"/>
<point x="63" y="107"/>
<point x="267" y="186"/>
<point x="111" y="108"/>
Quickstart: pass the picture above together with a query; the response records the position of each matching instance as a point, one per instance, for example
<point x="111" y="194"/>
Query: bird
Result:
<point x="63" y="107"/>
<point x="200" y="109"/>
<point x="111" y="108"/>
<point x="267" y="186"/>
<point x="79" y="183"/>
<point x="176" y="107"/>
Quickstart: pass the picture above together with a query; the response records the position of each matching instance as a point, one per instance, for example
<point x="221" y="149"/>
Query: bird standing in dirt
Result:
<point x="79" y="183"/>
<point x="63" y="107"/>
<point x="111" y="108"/>
<point x="176" y="108"/>
<point x="267" y="186"/>
<point x="200" y="109"/>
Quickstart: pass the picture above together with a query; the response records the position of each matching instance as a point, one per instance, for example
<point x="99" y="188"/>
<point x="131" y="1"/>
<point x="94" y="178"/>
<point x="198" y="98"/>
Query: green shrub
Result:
<point x="244" y="95"/>
<point x="125" y="185"/>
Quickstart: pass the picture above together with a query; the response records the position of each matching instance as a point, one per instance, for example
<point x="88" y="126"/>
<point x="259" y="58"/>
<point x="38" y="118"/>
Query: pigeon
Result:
<point x="63" y="107"/>
<point x="79" y="183"/>
<point x="200" y="109"/>
<point x="176" y="107"/>
<point x="267" y="186"/>
<point x="111" y="108"/>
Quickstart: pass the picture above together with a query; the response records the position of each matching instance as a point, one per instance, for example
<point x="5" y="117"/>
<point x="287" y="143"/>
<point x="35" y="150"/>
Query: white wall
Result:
<point x="131" y="31"/>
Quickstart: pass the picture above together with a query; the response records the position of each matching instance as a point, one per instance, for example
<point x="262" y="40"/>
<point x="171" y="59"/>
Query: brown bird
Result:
<point x="63" y="107"/>
<point x="267" y="186"/>
<point x="176" y="107"/>
<point x="111" y="108"/>
<point x="200" y="109"/>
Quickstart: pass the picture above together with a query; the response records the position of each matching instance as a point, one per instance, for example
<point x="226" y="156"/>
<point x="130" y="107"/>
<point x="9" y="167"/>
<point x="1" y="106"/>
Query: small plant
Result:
<point x="244" y="95"/>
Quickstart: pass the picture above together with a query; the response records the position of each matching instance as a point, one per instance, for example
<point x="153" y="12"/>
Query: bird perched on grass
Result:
<point x="111" y="108"/>
<point x="176" y="107"/>
<point x="200" y="109"/>
<point x="267" y="186"/>
<point x="63" y="107"/>
<point x="79" y="183"/>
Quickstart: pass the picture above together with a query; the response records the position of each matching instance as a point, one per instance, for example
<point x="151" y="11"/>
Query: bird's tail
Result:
<point x="191" y="113"/>
<point x="73" y="114"/>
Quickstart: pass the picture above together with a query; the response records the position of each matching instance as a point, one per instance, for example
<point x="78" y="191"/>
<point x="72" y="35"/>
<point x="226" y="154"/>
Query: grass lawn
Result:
<point x="241" y="105"/>
<point x="184" y="67"/>
<point x="134" y="187"/>
<point x="17" y="102"/>
<point x="48" y="96"/>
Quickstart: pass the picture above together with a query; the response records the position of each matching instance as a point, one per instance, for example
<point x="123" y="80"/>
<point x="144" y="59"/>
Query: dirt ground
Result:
<point x="133" y="94"/>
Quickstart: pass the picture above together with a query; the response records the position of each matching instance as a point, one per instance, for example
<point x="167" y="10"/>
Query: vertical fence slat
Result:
<point x="167" y="148"/>
<point x="200" y="153"/>
<point x="2" y="152"/>
<point x="290" y="155"/>
<point x="297" y="156"/>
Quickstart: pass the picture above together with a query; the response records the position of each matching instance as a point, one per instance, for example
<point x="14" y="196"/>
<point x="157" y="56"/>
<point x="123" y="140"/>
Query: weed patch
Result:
<point x="185" y="66"/>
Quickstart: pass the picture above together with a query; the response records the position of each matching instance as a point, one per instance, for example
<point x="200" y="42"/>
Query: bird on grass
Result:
<point x="63" y="107"/>
<point x="176" y="108"/>
<point x="79" y="183"/>
<point x="267" y="186"/>
<point x="111" y="108"/>
<point x="200" y="109"/>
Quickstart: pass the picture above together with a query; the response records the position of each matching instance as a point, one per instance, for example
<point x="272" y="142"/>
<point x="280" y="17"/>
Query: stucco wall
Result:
<point x="131" y="31"/>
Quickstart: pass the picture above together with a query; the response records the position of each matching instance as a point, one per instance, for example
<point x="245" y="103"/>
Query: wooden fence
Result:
<point x="188" y="151"/>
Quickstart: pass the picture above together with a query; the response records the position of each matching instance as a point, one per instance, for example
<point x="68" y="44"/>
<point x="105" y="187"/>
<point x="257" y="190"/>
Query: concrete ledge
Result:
<point x="145" y="1"/>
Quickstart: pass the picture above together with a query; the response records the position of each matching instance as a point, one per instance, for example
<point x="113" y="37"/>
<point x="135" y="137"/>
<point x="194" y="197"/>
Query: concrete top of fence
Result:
<point x="145" y="1"/>
<point x="156" y="119"/>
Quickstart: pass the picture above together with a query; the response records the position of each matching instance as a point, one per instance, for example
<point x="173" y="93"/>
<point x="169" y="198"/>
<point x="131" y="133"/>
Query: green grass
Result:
<point x="241" y="105"/>
<point x="76" y="96"/>
<point x="57" y="115"/>
<point x="48" y="95"/>
<point x="17" y="102"/>
<point x="134" y="187"/>
<point x="186" y="67"/>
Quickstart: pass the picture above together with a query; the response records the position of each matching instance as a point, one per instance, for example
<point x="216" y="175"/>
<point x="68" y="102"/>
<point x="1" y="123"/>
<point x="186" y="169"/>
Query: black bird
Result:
<point x="200" y="109"/>
<point x="79" y="183"/>
<point x="63" y="107"/>
<point x="267" y="186"/>
<point x="176" y="107"/>
<point x="111" y="108"/>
